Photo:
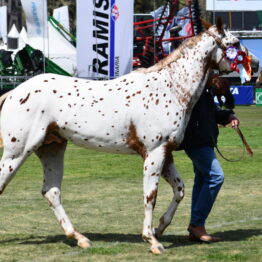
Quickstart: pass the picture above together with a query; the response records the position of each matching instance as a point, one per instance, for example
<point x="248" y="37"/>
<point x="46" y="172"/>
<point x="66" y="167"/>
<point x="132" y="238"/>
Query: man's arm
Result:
<point x="225" y="117"/>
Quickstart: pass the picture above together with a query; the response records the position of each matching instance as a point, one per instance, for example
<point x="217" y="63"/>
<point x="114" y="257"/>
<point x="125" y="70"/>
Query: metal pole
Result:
<point x="243" y="21"/>
<point x="214" y="12"/>
<point x="44" y="39"/>
<point x="154" y="31"/>
<point x="230" y="19"/>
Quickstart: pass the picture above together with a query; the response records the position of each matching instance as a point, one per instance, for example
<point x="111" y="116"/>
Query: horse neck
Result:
<point x="188" y="74"/>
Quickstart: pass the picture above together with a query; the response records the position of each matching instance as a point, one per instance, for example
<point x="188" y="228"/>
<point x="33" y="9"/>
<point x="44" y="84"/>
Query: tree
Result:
<point x="52" y="4"/>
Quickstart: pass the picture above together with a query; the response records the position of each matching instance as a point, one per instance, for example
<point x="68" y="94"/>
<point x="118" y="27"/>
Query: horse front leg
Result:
<point x="171" y="175"/>
<point x="52" y="159"/>
<point x="152" y="169"/>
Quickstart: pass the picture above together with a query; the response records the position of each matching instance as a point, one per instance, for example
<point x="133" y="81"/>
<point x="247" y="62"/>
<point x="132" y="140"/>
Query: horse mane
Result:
<point x="205" y="23"/>
<point x="174" y="56"/>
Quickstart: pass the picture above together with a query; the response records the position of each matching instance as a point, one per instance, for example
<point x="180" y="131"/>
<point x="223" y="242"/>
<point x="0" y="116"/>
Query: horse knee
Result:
<point x="53" y="196"/>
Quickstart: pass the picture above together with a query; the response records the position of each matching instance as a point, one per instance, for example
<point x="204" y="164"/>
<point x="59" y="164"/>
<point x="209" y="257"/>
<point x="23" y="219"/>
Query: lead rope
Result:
<point x="245" y="146"/>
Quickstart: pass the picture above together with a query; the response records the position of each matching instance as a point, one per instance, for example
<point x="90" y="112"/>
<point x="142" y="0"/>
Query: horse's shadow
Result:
<point x="169" y="241"/>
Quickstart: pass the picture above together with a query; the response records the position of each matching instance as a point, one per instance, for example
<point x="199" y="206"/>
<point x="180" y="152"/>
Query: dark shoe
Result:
<point x="198" y="233"/>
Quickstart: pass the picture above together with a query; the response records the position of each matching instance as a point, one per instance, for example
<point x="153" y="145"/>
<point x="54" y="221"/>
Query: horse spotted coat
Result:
<point x="144" y="112"/>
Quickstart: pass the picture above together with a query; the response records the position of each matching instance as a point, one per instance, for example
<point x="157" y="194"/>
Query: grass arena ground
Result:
<point x="102" y="194"/>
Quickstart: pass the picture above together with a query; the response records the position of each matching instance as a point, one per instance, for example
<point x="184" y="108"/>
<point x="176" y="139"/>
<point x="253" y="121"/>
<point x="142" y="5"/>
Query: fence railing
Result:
<point x="10" y="82"/>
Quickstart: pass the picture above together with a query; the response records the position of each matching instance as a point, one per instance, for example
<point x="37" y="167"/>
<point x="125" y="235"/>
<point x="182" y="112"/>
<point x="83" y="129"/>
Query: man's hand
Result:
<point x="234" y="121"/>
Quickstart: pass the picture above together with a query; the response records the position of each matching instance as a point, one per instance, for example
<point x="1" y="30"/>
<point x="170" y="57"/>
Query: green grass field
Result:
<point x="102" y="194"/>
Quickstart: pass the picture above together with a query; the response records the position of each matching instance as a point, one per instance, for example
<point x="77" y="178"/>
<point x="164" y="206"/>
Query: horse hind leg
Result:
<point x="171" y="175"/>
<point x="52" y="159"/>
<point x="10" y="162"/>
<point x="19" y="142"/>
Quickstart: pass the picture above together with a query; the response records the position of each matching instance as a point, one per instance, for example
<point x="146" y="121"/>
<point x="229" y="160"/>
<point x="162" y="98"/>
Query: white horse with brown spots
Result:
<point x="144" y="112"/>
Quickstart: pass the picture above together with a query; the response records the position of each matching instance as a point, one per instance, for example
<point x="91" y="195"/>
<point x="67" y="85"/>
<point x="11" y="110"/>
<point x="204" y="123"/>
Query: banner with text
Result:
<point x="243" y="95"/>
<point x="36" y="17"/>
<point x="3" y="23"/>
<point x="233" y="5"/>
<point x="104" y="38"/>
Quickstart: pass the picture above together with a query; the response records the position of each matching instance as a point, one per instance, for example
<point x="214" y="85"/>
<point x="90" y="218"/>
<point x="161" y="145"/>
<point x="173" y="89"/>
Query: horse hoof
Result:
<point x="84" y="243"/>
<point x="157" y="249"/>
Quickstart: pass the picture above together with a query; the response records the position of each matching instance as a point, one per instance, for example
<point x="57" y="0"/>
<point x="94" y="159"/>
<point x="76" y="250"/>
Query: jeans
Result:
<point x="209" y="178"/>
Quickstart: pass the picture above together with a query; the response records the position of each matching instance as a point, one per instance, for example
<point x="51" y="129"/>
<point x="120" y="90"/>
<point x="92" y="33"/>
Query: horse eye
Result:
<point x="237" y="44"/>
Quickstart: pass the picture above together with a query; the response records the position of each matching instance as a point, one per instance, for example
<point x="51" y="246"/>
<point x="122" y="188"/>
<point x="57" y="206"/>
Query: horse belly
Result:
<point x="100" y="138"/>
<point x="91" y="128"/>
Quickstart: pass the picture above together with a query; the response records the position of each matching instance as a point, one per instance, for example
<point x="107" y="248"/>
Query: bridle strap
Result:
<point x="219" y="43"/>
<point x="217" y="39"/>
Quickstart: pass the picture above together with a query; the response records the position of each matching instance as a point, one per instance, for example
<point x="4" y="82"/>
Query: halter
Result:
<point x="219" y="43"/>
<point x="236" y="56"/>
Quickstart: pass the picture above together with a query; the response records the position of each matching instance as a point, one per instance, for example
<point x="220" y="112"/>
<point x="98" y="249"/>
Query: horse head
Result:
<point x="230" y="53"/>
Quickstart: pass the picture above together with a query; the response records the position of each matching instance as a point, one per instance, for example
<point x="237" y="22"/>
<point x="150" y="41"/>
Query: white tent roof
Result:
<point x="56" y="48"/>
<point x="23" y="35"/>
<point x="13" y="33"/>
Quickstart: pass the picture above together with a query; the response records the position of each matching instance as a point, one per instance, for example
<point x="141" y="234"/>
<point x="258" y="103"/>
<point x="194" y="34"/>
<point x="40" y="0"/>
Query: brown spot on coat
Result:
<point x="152" y="198"/>
<point x="23" y="101"/>
<point x="134" y="142"/>
<point x="13" y="139"/>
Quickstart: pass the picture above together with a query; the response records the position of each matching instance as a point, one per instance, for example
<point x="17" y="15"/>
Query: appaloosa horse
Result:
<point x="144" y="112"/>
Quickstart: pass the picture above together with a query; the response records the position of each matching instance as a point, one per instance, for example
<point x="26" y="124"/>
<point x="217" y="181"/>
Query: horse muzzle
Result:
<point x="254" y="62"/>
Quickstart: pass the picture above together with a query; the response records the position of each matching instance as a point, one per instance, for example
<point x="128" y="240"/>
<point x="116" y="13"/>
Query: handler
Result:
<point x="199" y="142"/>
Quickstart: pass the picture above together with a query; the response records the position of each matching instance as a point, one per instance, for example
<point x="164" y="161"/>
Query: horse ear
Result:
<point x="219" y="25"/>
<point x="206" y="24"/>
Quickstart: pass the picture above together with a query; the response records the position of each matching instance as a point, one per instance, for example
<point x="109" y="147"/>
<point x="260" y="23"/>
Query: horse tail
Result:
<point x="3" y="98"/>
